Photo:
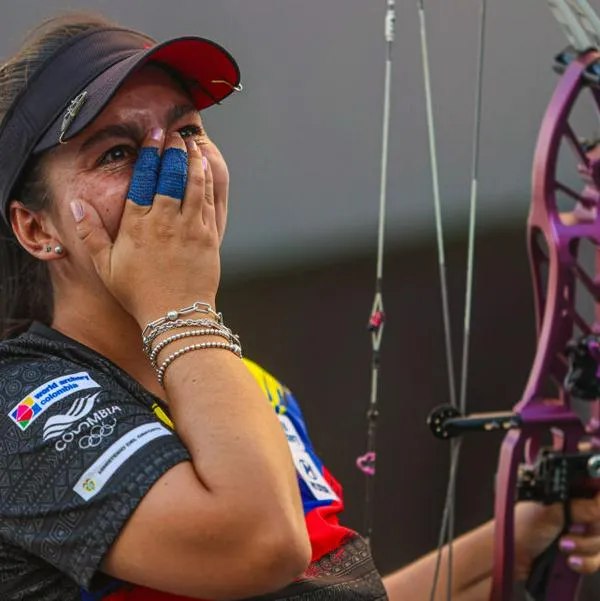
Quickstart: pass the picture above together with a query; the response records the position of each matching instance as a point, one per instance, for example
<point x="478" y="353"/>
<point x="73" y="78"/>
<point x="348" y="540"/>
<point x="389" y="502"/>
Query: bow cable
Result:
<point x="447" y="525"/>
<point x="447" y="517"/>
<point x="437" y="204"/>
<point x="473" y="210"/>
<point x="367" y="462"/>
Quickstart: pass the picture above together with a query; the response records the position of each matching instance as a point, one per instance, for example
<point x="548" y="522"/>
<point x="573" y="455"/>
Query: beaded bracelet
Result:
<point x="209" y="332"/>
<point x="183" y="323"/>
<point x="234" y="348"/>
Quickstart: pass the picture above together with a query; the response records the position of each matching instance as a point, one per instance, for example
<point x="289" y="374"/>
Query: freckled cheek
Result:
<point x="107" y="195"/>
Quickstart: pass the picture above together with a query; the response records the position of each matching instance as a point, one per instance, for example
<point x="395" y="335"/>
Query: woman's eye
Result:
<point x="115" y="154"/>
<point x="194" y="131"/>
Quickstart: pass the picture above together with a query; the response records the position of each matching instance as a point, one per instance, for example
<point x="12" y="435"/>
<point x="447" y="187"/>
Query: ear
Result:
<point x="34" y="231"/>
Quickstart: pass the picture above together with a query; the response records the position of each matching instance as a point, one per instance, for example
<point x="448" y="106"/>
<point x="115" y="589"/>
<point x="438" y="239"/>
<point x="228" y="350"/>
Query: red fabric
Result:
<point x="324" y="528"/>
<point x="141" y="593"/>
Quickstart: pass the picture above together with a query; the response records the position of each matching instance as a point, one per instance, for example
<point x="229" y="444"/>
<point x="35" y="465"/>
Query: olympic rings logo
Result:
<point x="92" y="439"/>
<point x="97" y="434"/>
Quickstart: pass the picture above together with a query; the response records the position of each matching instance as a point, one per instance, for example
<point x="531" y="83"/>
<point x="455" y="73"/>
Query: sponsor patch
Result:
<point x="305" y="466"/>
<point x="36" y="402"/>
<point x="101" y="471"/>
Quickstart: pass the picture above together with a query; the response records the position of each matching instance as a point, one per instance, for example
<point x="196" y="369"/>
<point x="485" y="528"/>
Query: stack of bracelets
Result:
<point x="212" y="325"/>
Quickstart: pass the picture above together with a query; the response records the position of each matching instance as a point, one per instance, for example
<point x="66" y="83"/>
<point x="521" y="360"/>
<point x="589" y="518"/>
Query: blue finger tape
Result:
<point x="145" y="174"/>
<point x="173" y="173"/>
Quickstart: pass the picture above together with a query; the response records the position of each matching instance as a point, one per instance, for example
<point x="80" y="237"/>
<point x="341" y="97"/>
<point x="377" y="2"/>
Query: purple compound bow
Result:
<point x="551" y="451"/>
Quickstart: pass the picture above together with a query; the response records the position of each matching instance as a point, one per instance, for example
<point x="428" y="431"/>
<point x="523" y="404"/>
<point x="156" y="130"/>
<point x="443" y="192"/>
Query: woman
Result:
<point x="115" y="203"/>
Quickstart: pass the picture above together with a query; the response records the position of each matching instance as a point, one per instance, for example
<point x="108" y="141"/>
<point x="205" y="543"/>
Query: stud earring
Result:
<point x="58" y="249"/>
<point x="48" y="249"/>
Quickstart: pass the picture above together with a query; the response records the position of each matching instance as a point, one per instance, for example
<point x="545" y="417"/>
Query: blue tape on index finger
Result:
<point x="173" y="173"/>
<point x="145" y="174"/>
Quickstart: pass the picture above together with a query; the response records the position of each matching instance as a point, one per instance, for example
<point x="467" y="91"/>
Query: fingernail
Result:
<point x="576" y="562"/>
<point x="77" y="210"/>
<point x="205" y="163"/>
<point x="157" y="134"/>
<point x="193" y="144"/>
<point x="567" y="545"/>
<point x="577" y="529"/>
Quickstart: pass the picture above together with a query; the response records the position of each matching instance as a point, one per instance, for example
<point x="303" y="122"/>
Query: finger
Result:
<point x="580" y="545"/>
<point x="145" y="172"/>
<point x="196" y="180"/>
<point x="92" y="233"/>
<point x="584" y="565"/>
<point x="172" y="178"/>
<point x="208" y="205"/>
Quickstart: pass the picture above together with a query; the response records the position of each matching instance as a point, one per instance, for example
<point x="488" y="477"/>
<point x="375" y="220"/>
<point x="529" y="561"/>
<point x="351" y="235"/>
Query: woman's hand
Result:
<point x="537" y="526"/>
<point x="166" y="253"/>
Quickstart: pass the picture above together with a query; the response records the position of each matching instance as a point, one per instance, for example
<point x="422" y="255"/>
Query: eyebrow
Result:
<point x="134" y="130"/>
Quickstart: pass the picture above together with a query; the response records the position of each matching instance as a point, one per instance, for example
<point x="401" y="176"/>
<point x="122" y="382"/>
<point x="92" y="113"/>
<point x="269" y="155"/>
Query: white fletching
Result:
<point x="570" y="23"/>
<point x="587" y="18"/>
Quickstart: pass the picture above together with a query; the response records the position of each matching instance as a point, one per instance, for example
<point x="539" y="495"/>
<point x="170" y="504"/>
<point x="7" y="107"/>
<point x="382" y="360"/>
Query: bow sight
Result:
<point x="554" y="477"/>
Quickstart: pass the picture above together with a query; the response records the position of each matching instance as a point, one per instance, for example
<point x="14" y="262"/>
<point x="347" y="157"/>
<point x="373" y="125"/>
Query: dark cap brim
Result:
<point x="207" y="70"/>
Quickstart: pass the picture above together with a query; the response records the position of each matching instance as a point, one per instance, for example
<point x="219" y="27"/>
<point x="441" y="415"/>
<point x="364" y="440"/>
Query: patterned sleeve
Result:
<point x="77" y="454"/>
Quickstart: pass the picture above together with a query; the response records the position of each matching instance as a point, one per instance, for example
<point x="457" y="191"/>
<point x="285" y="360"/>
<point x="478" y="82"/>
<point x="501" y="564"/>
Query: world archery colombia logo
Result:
<point x="36" y="402"/>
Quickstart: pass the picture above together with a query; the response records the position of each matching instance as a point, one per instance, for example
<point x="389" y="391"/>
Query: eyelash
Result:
<point x="187" y="131"/>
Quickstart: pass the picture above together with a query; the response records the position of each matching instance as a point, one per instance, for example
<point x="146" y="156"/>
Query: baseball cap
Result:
<point x="77" y="81"/>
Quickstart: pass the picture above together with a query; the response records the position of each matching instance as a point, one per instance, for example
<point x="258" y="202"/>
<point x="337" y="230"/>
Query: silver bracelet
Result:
<point x="160" y="374"/>
<point x="209" y="332"/>
<point x="197" y="307"/>
<point x="180" y="323"/>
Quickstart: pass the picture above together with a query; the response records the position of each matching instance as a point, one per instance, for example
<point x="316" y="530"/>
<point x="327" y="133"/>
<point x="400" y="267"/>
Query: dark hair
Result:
<point x="26" y="293"/>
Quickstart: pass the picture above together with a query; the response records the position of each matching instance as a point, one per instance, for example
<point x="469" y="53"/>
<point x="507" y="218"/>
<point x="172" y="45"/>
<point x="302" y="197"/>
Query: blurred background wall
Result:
<point x="303" y="144"/>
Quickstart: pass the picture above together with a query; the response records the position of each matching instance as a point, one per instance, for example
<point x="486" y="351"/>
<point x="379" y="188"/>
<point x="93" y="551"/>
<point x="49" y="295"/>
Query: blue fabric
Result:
<point x="173" y="173"/>
<point x="102" y="593"/>
<point x="145" y="174"/>
<point x="294" y="413"/>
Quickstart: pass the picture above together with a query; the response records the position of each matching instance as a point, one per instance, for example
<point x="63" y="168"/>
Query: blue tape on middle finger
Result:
<point x="145" y="174"/>
<point x="173" y="173"/>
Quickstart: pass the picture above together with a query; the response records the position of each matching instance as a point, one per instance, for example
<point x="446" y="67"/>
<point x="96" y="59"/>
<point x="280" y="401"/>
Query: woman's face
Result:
<point x="96" y="165"/>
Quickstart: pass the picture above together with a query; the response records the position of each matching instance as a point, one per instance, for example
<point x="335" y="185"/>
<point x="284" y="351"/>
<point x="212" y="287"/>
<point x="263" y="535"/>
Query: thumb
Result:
<point x="91" y="232"/>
